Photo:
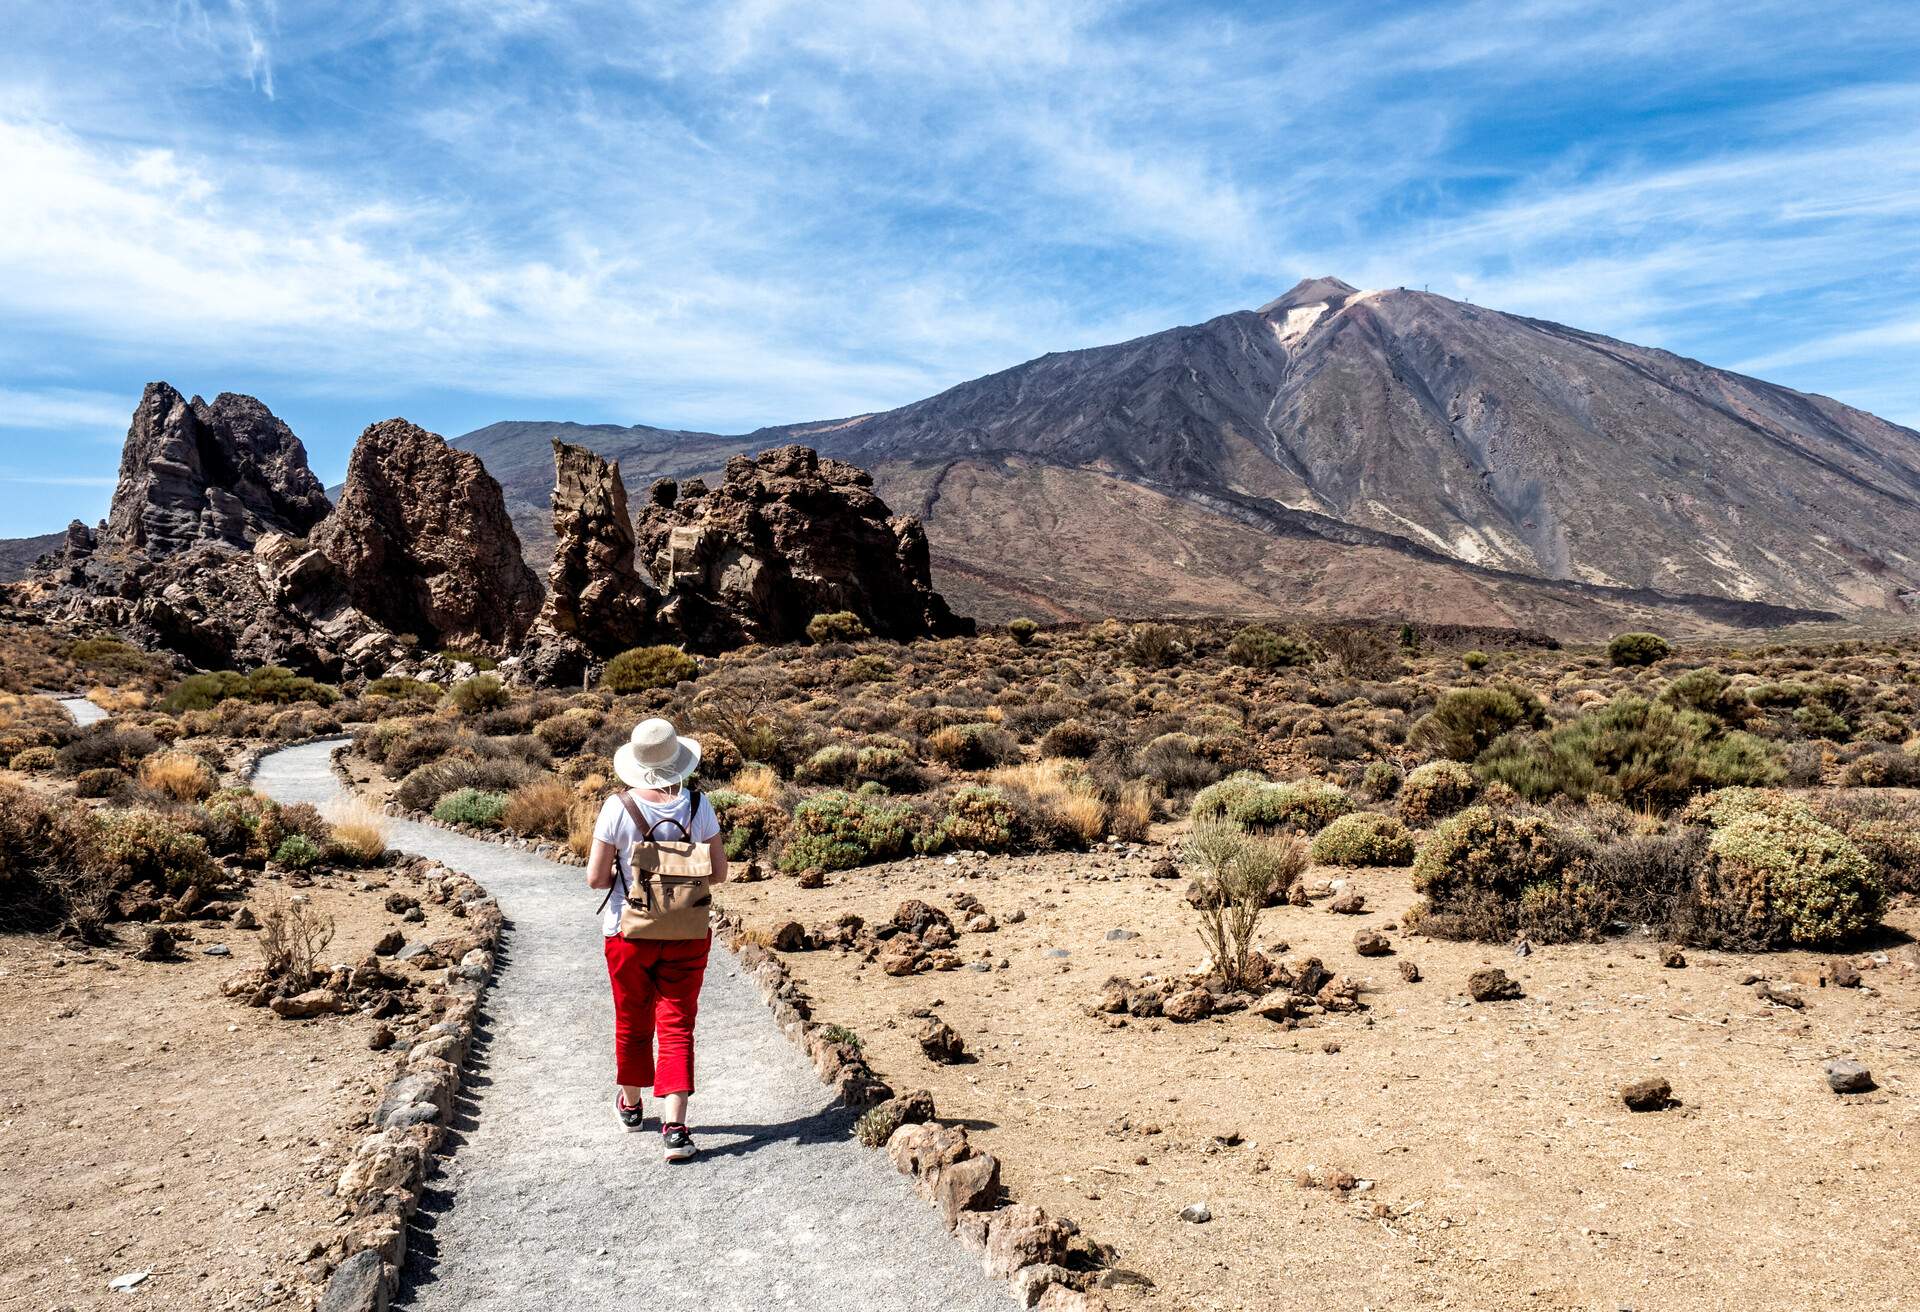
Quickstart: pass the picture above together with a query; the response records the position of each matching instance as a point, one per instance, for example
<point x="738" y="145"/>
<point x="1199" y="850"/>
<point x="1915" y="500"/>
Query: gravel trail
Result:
<point x="550" y="1203"/>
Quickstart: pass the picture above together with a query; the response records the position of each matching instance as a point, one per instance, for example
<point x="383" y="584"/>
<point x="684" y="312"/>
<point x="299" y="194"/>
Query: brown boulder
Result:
<point x="598" y="602"/>
<point x="422" y="542"/>
<point x="1492" y="985"/>
<point x="1189" y="1005"/>
<point x="1649" y="1095"/>
<point x="786" y="536"/>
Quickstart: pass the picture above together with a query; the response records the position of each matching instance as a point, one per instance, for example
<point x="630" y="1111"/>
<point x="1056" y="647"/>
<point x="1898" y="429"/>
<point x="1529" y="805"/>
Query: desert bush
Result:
<point x="836" y="626"/>
<point x="1260" y="648"/>
<point x="1363" y="839"/>
<point x="1069" y="808"/>
<point x="870" y="668"/>
<point x="567" y="732"/>
<point x="292" y="937"/>
<point x="1214" y="801"/>
<point x="1178" y="763"/>
<point x="642" y="669"/>
<point x="757" y="781"/>
<point x="1475" y="659"/>
<point x="1361" y="654"/>
<point x="33" y="760"/>
<point x="1885" y="829"/>
<point x="1131" y="814"/>
<point x="1435" y="790"/>
<point x="1307" y="805"/>
<point x="423" y="788"/>
<point x="510" y="719"/>
<point x="471" y="806"/>
<point x="752" y="825"/>
<point x="1465" y="721"/>
<point x="1242" y="874"/>
<point x="107" y="746"/>
<point x="414" y="747"/>
<point x="140" y="844"/>
<point x="1379" y="781"/>
<point x="302" y="722"/>
<point x="42" y="849"/>
<point x="1631" y="750"/>
<point x="889" y="766"/>
<point x="1022" y="630"/>
<point x="268" y="684"/>
<point x="980" y="817"/>
<point x="539" y="808"/>
<point x="833" y="764"/>
<point x="972" y="746"/>
<point x="239" y="823"/>
<point x="1783" y="878"/>
<point x="297" y="852"/>
<point x="483" y="692"/>
<point x="1070" y="739"/>
<point x="1882" y="768"/>
<point x="1709" y="692"/>
<point x="398" y="688"/>
<point x="1488" y="875"/>
<point x="356" y="833"/>
<point x="1155" y="646"/>
<point x="836" y="831"/>
<point x="109" y="656"/>
<point x="181" y="776"/>
<point x="1638" y="649"/>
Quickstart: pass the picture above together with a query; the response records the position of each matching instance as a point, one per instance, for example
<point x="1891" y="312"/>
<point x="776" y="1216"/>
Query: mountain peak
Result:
<point x="1311" y="291"/>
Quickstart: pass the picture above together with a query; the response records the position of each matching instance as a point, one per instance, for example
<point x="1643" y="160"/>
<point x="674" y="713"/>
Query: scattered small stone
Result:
<point x="217" y="950"/>
<point x="789" y="936"/>
<point x="121" y="1284"/>
<point x="245" y="919"/>
<point x="389" y="943"/>
<point x="1845" y="1075"/>
<point x="1492" y="985"/>
<point x="1351" y="902"/>
<point x="812" y="878"/>
<point x="381" y="1039"/>
<point x="1057" y="952"/>
<point x="1341" y="1181"/>
<point x="1522" y="948"/>
<point x="1120" y="935"/>
<point x="1843" y="974"/>
<point x="1188" y="1005"/>
<point x="1196" y="1213"/>
<point x="1675" y="959"/>
<point x="1769" y="994"/>
<point x="1372" y="943"/>
<point x="1649" y="1095"/>
<point x="1164" y="868"/>
<point x="1409" y="972"/>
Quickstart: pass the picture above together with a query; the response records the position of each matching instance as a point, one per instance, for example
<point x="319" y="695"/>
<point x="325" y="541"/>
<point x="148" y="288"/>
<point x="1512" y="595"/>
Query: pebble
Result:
<point x="1057" y="952"/>
<point x="218" y="950"/>
<point x="121" y="1284"/>
<point x="1197" y="1213"/>
<point x="1120" y="935"/>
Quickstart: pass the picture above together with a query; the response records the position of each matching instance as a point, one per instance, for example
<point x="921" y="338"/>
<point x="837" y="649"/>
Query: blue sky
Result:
<point x="723" y="214"/>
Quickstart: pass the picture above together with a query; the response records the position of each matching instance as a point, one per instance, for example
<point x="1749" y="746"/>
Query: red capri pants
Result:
<point x="656" y="994"/>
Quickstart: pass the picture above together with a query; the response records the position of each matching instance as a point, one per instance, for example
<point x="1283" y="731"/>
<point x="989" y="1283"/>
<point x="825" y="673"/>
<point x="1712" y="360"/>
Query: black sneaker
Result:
<point x="631" y="1117"/>
<point x="678" y="1143"/>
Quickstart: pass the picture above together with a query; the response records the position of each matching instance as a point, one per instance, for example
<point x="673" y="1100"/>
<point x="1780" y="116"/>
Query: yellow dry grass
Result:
<point x="542" y="808"/>
<point x="580" y="819"/>
<point x="757" y="781"/>
<point x="357" y="830"/>
<point x="1063" y="791"/>
<point x="180" y="775"/>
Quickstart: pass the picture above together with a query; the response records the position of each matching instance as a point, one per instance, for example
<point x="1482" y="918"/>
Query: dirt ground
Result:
<point x="1505" y="1171"/>
<point x="148" y="1123"/>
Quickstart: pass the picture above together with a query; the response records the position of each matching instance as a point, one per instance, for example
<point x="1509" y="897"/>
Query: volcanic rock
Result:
<point x="786" y="536"/>
<point x="193" y="472"/>
<point x="598" y="603"/>
<point x="1492" y="985"/>
<point x="422" y="542"/>
<point x="1649" y="1095"/>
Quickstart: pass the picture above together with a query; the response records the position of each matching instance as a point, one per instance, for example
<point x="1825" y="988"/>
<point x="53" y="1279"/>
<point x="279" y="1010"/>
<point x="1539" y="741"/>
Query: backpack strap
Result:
<point x="644" y="832"/>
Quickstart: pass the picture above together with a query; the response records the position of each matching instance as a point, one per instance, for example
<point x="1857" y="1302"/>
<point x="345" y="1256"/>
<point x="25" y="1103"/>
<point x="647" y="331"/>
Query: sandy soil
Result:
<point x="1506" y="1173"/>
<point x="148" y="1123"/>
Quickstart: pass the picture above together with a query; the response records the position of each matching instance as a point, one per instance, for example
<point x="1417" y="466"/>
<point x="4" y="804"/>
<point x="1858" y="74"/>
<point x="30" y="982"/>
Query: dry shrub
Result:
<point x="540" y="808"/>
<point x="358" y="833"/>
<point x="1069" y="801"/>
<point x="180" y="775"/>
<point x="1241" y="872"/>
<point x="582" y="815"/>
<point x="1132" y="813"/>
<point x="757" y="781"/>
<point x="292" y="937"/>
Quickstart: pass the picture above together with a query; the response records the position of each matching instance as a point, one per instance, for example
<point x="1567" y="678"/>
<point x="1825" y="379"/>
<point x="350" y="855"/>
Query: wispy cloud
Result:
<point x="61" y="410"/>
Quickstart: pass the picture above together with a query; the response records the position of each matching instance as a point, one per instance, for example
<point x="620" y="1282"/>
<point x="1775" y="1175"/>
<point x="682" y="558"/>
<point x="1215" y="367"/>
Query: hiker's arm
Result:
<point x="717" y="846"/>
<point x="600" y="865"/>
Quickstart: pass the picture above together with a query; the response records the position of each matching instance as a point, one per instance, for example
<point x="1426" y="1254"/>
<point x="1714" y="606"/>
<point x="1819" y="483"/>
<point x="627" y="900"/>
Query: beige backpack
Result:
<point x="672" y="886"/>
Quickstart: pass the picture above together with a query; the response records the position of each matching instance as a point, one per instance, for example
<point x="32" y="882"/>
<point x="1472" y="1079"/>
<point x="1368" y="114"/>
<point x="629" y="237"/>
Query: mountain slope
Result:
<point x="1335" y="448"/>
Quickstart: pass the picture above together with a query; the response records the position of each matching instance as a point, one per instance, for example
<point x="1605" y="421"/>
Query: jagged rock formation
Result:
<point x="786" y="536"/>
<point x="193" y="472"/>
<point x="598" y="602"/>
<point x="422" y="542"/>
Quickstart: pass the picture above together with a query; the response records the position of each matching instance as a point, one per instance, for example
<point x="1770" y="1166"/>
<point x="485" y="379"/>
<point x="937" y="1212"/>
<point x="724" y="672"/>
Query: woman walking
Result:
<point x="656" y="980"/>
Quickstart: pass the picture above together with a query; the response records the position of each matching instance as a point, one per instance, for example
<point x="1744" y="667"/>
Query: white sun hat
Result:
<point x="656" y="756"/>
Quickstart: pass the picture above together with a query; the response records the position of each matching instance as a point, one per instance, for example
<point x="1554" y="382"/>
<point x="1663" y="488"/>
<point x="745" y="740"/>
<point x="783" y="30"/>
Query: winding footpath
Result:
<point x="549" y="1203"/>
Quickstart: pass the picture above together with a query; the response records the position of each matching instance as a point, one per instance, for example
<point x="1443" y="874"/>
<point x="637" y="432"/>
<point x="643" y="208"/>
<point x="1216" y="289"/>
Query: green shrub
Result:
<point x="1155" y="646"/>
<point x="836" y="831"/>
<point x="1791" y="879"/>
<point x="752" y="826"/>
<point x="890" y="767"/>
<point x="1179" y="763"/>
<point x="241" y="823"/>
<point x="32" y="759"/>
<point x="1380" y="780"/>
<point x="423" y="788"/>
<point x="1632" y="751"/>
<point x="1214" y="801"/>
<point x="396" y="687"/>
<point x="462" y="656"/>
<point x="980" y="818"/>
<point x="1638" y="649"/>
<point x="1465" y="721"/>
<point x="483" y="692"/>
<point x="141" y="844"/>
<point x="1489" y="875"/>
<point x="1709" y="692"/>
<point x="1475" y="660"/>
<point x="836" y="626"/>
<point x="1307" y="806"/>
<point x="1022" y="630"/>
<point x="269" y="684"/>
<point x="471" y="806"/>
<point x="1363" y="839"/>
<point x="642" y="669"/>
<point x="566" y="733"/>
<point x="108" y="654"/>
<point x="833" y="764"/>
<point x="1434" y="790"/>
<point x="297" y="852"/>
<point x="870" y="668"/>
<point x="104" y="781"/>
<point x="1260" y="648"/>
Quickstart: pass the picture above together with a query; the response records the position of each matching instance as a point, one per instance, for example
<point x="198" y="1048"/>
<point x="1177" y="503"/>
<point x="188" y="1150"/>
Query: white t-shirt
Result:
<point x="615" y="826"/>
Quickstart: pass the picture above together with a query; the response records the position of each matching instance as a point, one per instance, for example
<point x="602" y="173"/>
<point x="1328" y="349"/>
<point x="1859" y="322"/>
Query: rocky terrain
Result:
<point x="221" y="547"/>
<point x="1335" y="444"/>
